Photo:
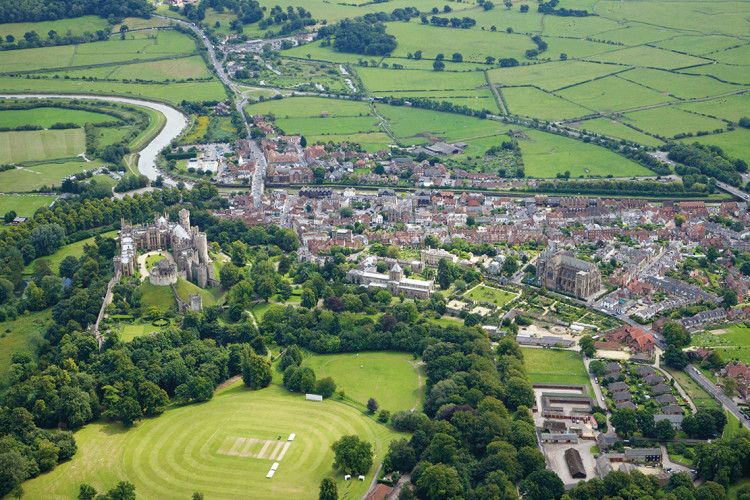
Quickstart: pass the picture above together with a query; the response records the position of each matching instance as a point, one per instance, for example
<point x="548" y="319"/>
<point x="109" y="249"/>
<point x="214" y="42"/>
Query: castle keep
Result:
<point x="189" y="247"/>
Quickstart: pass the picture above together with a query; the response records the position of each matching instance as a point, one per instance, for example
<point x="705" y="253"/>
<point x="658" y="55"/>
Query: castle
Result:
<point x="189" y="248"/>
<point x="558" y="270"/>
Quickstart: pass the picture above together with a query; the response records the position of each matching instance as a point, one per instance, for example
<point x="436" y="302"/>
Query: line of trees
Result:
<point x="17" y="11"/>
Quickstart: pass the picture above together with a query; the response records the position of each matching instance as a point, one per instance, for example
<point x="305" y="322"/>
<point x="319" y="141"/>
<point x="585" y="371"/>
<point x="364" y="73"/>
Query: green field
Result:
<point x="727" y="108"/>
<point x="648" y="57"/>
<point x="74" y="249"/>
<point x="534" y="103"/>
<point x="734" y="343"/>
<point x="31" y="145"/>
<point x="483" y="293"/>
<point x="735" y="143"/>
<point x="211" y="296"/>
<point x="699" y="397"/>
<point x="546" y="154"/>
<point x="612" y="94"/>
<point x="668" y="121"/>
<point x="45" y="117"/>
<point x="159" y="296"/>
<point x="392" y="378"/>
<point x="678" y="85"/>
<point x="616" y="129"/>
<point x="407" y="123"/>
<point x="23" y="205"/>
<point x="43" y="174"/>
<point x="396" y="81"/>
<point x="309" y="107"/>
<point x="180" y="68"/>
<point x="550" y="76"/>
<point x="187" y="450"/>
<point x="549" y="365"/>
<point x="75" y="26"/>
<point x="24" y="333"/>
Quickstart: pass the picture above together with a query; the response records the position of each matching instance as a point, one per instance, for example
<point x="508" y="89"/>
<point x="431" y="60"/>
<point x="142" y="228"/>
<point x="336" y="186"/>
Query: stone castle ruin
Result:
<point x="188" y="245"/>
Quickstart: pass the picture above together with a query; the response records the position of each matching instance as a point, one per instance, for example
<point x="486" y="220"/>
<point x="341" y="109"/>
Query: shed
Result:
<point x="575" y="464"/>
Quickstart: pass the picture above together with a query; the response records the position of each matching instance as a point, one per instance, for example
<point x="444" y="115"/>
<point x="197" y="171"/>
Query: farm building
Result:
<point x="575" y="464"/>
<point x="643" y="455"/>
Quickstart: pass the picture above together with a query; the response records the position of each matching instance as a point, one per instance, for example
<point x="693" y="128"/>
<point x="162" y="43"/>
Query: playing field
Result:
<point x="391" y="378"/>
<point x="223" y="448"/>
<point x="550" y="365"/>
<point x="23" y="205"/>
<point x="483" y="293"/>
<point x="40" y="145"/>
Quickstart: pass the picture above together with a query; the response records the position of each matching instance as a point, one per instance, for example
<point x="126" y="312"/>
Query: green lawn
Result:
<point x="185" y="450"/>
<point x="129" y="332"/>
<point x="483" y="293"/>
<point x="159" y="296"/>
<point x="152" y="260"/>
<point x="74" y="249"/>
<point x="23" y="205"/>
<point x="389" y="377"/>
<point x="553" y="366"/>
<point x="733" y="345"/>
<point x="21" y="334"/>
<point x="23" y="146"/>
<point x="45" y="117"/>
<point x="733" y="426"/>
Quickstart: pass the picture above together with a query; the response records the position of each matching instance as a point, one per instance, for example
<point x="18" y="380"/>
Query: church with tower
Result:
<point x="366" y="275"/>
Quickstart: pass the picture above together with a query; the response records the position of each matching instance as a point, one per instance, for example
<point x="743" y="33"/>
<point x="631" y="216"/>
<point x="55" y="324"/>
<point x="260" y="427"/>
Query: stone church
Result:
<point x="558" y="270"/>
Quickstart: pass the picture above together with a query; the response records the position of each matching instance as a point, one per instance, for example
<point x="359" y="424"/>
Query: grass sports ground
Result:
<point x="550" y="365"/>
<point x="393" y="379"/>
<point x="209" y="448"/>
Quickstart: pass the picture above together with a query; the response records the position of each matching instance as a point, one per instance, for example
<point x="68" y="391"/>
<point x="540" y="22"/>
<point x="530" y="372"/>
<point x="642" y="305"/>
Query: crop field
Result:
<point x="76" y="26"/>
<point x="616" y="129"/>
<point x="551" y="76"/>
<point x="382" y="80"/>
<point x="550" y="365"/>
<point x="222" y="448"/>
<point x="30" y="145"/>
<point x="138" y="45"/>
<point x="392" y="378"/>
<point x="23" y="205"/>
<point x="486" y="294"/>
<point x="45" y="117"/>
<point x="407" y="122"/>
<point x="528" y="101"/>
<point x="612" y="93"/>
<point x="546" y="155"/>
<point x="735" y="143"/>
<point x="667" y="121"/>
<point x="681" y="86"/>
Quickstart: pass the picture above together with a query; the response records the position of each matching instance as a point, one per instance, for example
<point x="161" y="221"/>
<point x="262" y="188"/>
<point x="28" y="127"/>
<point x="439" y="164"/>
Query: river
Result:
<point x="175" y="124"/>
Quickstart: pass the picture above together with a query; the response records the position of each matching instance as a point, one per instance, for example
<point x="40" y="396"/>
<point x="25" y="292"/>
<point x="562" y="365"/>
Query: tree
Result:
<point x="328" y="490"/>
<point x="730" y="299"/>
<point x="679" y="220"/>
<point x="47" y="238"/>
<point x="438" y="65"/>
<point x="563" y="56"/>
<point x="624" y="421"/>
<point x="586" y="343"/>
<point x="712" y="254"/>
<point x="675" y="357"/>
<point x="439" y="482"/>
<point x="325" y="387"/>
<point x="372" y="405"/>
<point x="663" y="430"/>
<point x="531" y="460"/>
<point x="153" y="398"/>
<point x="519" y="392"/>
<point x="9" y="216"/>
<point x="444" y="274"/>
<point x="352" y="455"/>
<point x="128" y="411"/>
<point x="675" y="334"/>
<point x="256" y="371"/>
<point x="401" y="455"/>
<point x="711" y="490"/>
<point x="542" y="485"/>
<point x="730" y="386"/>
<point x="510" y="266"/>
<point x="457" y="57"/>
<point x="229" y="275"/>
<point x="265" y="287"/>
<point x="308" y="299"/>
<point x="86" y="492"/>
<point x="596" y="368"/>
<point x="123" y="491"/>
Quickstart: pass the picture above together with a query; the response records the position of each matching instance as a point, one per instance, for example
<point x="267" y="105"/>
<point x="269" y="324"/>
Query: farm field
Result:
<point x="668" y="121"/>
<point x="735" y="143"/>
<point x="407" y="122"/>
<point x="46" y="117"/>
<point x="23" y="205"/>
<point x="178" y="68"/>
<point x="612" y="94"/>
<point x="678" y="85"/>
<point x="48" y="174"/>
<point x="371" y="142"/>
<point x="550" y="365"/>
<point x="617" y="130"/>
<point x="727" y="108"/>
<point x="700" y="44"/>
<point x="726" y="72"/>
<point x="483" y="293"/>
<point x="16" y="147"/>
<point x="550" y="76"/>
<point x="394" y="81"/>
<point x="76" y="26"/>
<point x="545" y="155"/>
<point x="392" y="378"/>
<point x="339" y="125"/>
<point x="192" y="449"/>
<point x="534" y="103"/>
<point x="309" y="107"/>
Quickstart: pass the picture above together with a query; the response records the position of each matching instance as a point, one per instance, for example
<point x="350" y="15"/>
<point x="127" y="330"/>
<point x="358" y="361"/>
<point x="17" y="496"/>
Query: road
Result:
<point x="716" y="393"/>
<point x="733" y="191"/>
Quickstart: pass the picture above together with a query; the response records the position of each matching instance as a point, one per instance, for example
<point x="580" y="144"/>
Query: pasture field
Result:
<point x="739" y="55"/>
<point x="678" y="85"/>
<point x="310" y="107"/>
<point x="426" y="64"/>
<point x="323" y="53"/>
<point x="550" y="365"/>
<point x="171" y="93"/>
<point x="23" y="205"/>
<point x="574" y="47"/>
<point x="76" y="26"/>
<point x="612" y="93"/>
<point x="137" y="45"/>
<point x="726" y="72"/>
<point x="407" y="122"/>
<point x="547" y="154"/>
<point x="634" y="34"/>
<point x="46" y="117"/>
<point x="159" y="296"/>
<point x="44" y="173"/>
<point x="392" y="378"/>
<point x="138" y="23"/>
<point x="395" y="81"/>
<point x="728" y="108"/>
<point x="371" y="142"/>
<point x="576" y="27"/>
<point x="74" y="250"/>
<point x="211" y="296"/>
<point x="551" y="76"/>
<point x="528" y="101"/>
<point x="700" y="45"/>
<point x="611" y="128"/>
<point x="474" y="45"/>
<point x="649" y="57"/>
<point x="180" y="68"/>
<point x="20" y="334"/>
<point x="735" y="143"/>
<point x="200" y="448"/>
<point x="668" y="121"/>
<point x="323" y="126"/>
<point x="16" y="147"/>
<point x="474" y="99"/>
<point x="483" y="293"/>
